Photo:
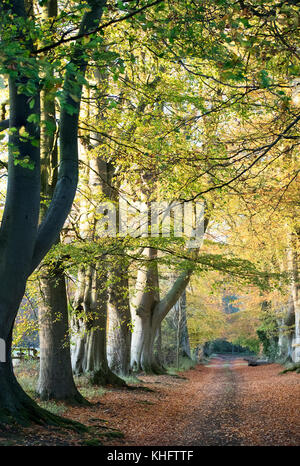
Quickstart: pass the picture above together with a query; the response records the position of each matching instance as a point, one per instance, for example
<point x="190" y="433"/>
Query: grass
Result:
<point x="27" y="375"/>
<point x="132" y="379"/>
<point x="27" y="372"/>
<point x="86" y="389"/>
<point x="185" y="364"/>
<point x="113" y="434"/>
<point x="54" y="407"/>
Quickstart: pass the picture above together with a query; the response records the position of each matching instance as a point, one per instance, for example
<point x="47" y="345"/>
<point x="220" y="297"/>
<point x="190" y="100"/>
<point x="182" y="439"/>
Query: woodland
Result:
<point x="115" y="113"/>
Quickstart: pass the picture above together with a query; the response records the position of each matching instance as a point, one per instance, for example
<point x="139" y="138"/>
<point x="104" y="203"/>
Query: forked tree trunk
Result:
<point x="148" y="310"/>
<point x="147" y="314"/>
<point x="22" y="244"/>
<point x="145" y="326"/>
<point x="89" y="348"/>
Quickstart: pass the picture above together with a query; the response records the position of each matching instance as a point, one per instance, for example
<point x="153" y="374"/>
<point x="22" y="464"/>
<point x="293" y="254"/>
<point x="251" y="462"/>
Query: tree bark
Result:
<point x="145" y="324"/>
<point x="149" y="310"/>
<point x="286" y="333"/>
<point x="89" y="351"/>
<point x="179" y="323"/>
<point x="147" y="315"/>
<point x="295" y="288"/>
<point x="56" y="378"/>
<point x="119" y="323"/>
<point x="184" y="333"/>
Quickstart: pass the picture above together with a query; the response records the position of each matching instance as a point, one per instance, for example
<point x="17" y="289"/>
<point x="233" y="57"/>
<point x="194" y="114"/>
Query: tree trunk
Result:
<point x="16" y="407"/>
<point x="158" y="349"/>
<point x="22" y="244"/>
<point x="56" y="378"/>
<point x="295" y="263"/>
<point x="178" y="339"/>
<point x="90" y="354"/>
<point x="178" y="322"/>
<point x="149" y="310"/>
<point x="119" y="325"/>
<point x="89" y="351"/>
<point x="286" y="331"/>
<point x="145" y="326"/>
<point x="184" y="333"/>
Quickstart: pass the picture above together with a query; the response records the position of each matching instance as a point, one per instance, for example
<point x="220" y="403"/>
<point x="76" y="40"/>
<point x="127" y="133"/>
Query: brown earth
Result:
<point x="223" y="403"/>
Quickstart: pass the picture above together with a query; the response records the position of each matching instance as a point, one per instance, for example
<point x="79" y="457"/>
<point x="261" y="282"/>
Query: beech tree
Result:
<point x="23" y="241"/>
<point x="55" y="377"/>
<point x="89" y="322"/>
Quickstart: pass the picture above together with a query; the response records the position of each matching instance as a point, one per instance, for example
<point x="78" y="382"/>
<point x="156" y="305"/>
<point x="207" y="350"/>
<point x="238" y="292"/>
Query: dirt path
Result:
<point x="224" y="403"/>
<point x="218" y="423"/>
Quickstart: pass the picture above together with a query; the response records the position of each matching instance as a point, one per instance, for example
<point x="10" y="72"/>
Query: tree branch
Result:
<point x="268" y="148"/>
<point x="66" y="185"/>
<point x="100" y="28"/>
<point x="170" y="299"/>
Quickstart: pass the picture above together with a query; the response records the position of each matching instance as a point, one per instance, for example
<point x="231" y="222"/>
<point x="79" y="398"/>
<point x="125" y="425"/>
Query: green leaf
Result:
<point x="265" y="80"/>
<point x="33" y="118"/>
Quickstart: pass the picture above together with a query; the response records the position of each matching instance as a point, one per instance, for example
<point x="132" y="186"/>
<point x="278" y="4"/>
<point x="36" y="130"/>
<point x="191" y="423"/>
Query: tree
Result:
<point x="89" y="353"/>
<point x="23" y="242"/>
<point x="177" y="321"/>
<point x="55" y="378"/>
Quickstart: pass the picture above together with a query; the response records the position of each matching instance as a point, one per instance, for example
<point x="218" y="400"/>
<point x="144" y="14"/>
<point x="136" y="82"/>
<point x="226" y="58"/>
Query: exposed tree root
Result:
<point x="139" y="387"/>
<point x="295" y="367"/>
<point x="23" y="411"/>
<point x="176" y="376"/>
<point x="155" y="369"/>
<point x="17" y="408"/>
<point x="106" y="377"/>
<point x="75" y="400"/>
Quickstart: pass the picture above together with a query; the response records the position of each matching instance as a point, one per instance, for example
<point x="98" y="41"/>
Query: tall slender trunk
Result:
<point x="177" y="320"/>
<point x="184" y="341"/>
<point x="119" y="323"/>
<point x="55" y="378"/>
<point x="286" y="327"/>
<point x="178" y="338"/>
<point x="295" y="288"/>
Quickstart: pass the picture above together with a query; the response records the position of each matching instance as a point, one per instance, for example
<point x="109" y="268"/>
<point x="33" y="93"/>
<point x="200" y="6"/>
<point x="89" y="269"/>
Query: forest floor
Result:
<point x="222" y="403"/>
